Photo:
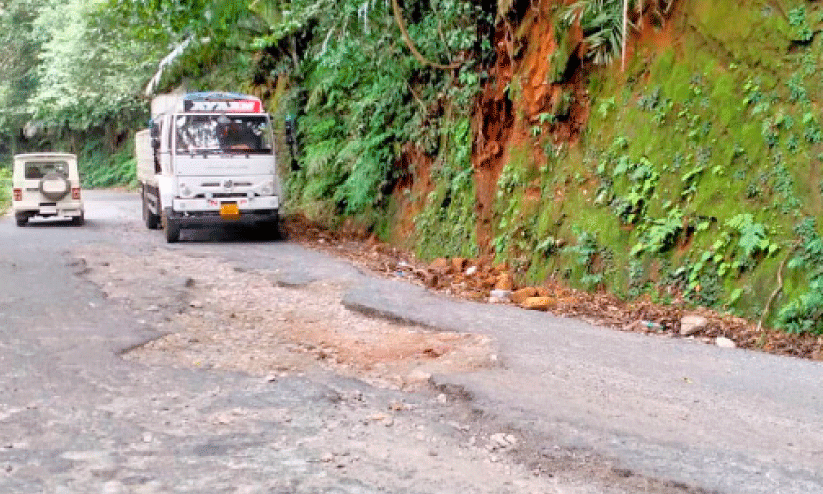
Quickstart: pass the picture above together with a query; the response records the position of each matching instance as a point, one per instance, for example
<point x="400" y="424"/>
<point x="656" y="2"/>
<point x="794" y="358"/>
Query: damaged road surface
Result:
<point x="230" y="363"/>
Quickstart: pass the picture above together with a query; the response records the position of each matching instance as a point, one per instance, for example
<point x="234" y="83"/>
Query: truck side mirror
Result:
<point x="155" y="135"/>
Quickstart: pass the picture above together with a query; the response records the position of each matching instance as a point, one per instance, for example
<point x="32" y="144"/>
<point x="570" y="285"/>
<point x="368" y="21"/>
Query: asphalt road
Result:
<point x="75" y="417"/>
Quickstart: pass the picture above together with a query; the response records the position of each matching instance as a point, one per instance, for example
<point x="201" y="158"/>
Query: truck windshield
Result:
<point x="235" y="134"/>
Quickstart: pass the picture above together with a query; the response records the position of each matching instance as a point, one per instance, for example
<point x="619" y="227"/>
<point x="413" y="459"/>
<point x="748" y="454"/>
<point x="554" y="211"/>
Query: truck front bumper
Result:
<point x="189" y="213"/>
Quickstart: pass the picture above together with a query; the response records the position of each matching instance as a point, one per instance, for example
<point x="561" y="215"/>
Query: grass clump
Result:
<point x="5" y="189"/>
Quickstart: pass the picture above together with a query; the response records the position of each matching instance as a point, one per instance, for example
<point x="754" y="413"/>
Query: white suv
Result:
<point x="47" y="185"/>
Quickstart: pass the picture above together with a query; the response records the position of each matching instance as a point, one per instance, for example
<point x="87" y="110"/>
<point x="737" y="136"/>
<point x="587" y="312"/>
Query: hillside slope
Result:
<point x="692" y="173"/>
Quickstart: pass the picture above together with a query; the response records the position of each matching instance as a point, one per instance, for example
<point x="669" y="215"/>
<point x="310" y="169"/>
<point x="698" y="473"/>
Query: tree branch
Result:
<point x="777" y="290"/>
<point x="398" y="17"/>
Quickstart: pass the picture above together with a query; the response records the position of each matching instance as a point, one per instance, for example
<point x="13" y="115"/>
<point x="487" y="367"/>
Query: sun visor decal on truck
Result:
<point x="240" y="106"/>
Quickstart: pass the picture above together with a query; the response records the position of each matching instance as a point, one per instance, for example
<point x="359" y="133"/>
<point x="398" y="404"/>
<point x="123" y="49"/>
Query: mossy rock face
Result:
<point x="722" y="129"/>
<point x="694" y="168"/>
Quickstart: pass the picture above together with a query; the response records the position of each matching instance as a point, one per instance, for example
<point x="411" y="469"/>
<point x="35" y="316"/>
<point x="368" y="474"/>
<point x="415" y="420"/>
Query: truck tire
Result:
<point x="271" y="229"/>
<point x="151" y="220"/>
<point x="78" y="220"/>
<point x="171" y="228"/>
<point x="277" y="229"/>
<point x="21" y="219"/>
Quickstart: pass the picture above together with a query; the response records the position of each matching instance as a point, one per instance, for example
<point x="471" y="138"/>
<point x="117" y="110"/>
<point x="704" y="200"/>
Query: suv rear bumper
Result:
<point x="65" y="208"/>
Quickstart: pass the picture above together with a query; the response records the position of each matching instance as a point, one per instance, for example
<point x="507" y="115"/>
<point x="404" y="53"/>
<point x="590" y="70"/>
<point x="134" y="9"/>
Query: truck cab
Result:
<point x="208" y="159"/>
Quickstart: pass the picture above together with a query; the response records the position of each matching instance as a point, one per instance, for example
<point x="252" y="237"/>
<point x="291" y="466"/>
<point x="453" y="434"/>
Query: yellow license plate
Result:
<point x="229" y="210"/>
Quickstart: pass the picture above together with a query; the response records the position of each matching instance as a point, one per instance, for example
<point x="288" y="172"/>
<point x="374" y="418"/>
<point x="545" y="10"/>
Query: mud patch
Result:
<point x="222" y="318"/>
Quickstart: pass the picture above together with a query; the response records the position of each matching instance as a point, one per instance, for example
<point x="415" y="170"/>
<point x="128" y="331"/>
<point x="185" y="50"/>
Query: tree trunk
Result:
<point x="625" y="35"/>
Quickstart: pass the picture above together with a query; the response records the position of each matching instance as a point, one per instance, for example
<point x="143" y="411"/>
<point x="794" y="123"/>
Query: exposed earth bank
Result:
<point x="484" y="280"/>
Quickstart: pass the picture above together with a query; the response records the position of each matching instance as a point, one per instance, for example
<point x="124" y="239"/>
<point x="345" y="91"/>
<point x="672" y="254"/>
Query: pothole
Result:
<point x="227" y="319"/>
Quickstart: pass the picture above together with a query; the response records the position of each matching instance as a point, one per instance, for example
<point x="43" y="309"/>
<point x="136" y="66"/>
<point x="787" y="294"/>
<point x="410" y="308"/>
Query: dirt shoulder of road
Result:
<point x="480" y="279"/>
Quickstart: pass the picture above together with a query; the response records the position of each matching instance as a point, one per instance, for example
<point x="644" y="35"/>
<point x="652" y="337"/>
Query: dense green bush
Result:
<point x="364" y="94"/>
<point x="99" y="168"/>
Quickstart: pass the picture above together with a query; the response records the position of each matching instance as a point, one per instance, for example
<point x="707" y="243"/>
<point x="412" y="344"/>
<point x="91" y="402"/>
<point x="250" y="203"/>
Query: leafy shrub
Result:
<point x="805" y="314"/>
<point x="366" y="95"/>
<point x="752" y="237"/>
<point x="660" y="234"/>
<point x="99" y="168"/>
<point x="446" y="226"/>
<point x="5" y="189"/>
<point x="592" y="258"/>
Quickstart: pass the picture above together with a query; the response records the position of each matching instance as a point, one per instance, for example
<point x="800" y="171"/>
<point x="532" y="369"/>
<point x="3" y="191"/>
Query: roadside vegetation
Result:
<point x="701" y="172"/>
<point x="677" y="159"/>
<point x="5" y="189"/>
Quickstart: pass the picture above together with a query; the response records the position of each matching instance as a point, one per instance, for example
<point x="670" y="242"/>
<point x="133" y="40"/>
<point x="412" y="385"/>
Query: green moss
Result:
<point x="678" y="150"/>
<point x="447" y="225"/>
<point x="509" y="233"/>
<point x="691" y="141"/>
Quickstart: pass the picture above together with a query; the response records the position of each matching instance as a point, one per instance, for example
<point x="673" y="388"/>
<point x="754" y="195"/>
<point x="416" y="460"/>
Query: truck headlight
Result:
<point x="184" y="190"/>
<point x="267" y="189"/>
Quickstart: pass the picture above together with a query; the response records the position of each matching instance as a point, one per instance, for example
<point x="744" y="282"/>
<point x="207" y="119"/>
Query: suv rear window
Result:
<point x="39" y="169"/>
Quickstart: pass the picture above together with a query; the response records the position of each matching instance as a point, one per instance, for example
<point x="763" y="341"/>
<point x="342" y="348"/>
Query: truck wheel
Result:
<point x="172" y="232"/>
<point x="21" y="219"/>
<point x="78" y="220"/>
<point x="171" y="227"/>
<point x="278" y="231"/>
<point x="271" y="229"/>
<point x="151" y="220"/>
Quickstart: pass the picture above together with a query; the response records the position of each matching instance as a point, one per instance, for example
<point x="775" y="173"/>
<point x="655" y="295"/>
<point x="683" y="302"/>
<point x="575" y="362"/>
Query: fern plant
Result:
<point x="752" y="238"/>
<point x="602" y="25"/>
<point x="805" y="314"/>
<point x="661" y="234"/>
<point x="605" y="23"/>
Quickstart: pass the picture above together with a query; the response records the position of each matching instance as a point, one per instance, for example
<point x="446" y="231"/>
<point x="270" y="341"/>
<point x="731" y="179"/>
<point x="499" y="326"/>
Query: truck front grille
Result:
<point x="217" y="184"/>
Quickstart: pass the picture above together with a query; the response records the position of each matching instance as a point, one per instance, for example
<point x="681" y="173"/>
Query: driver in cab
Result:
<point x="236" y="136"/>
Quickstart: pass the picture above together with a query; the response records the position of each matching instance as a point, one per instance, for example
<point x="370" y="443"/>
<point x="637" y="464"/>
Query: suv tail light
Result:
<point x="75" y="193"/>
<point x="18" y="194"/>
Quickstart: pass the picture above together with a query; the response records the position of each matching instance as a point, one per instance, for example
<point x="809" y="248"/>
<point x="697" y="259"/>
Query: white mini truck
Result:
<point x="46" y="185"/>
<point x="208" y="159"/>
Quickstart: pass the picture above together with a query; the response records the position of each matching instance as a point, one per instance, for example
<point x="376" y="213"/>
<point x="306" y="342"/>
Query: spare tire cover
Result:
<point x="54" y="186"/>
